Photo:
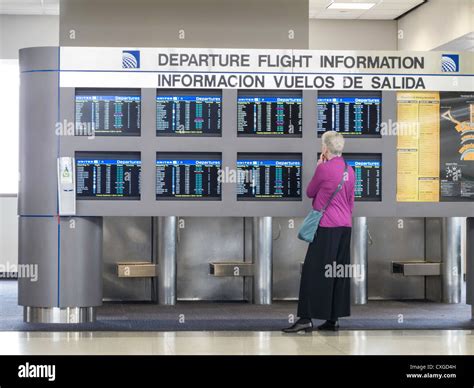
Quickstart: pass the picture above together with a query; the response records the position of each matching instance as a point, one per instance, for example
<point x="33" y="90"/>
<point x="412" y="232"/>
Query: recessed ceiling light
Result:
<point x="350" y="5"/>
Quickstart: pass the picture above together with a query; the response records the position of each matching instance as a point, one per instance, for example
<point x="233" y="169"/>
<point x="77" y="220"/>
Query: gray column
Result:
<point x="167" y="246"/>
<point x="451" y="268"/>
<point x="262" y="259"/>
<point x="65" y="266"/>
<point x="359" y="257"/>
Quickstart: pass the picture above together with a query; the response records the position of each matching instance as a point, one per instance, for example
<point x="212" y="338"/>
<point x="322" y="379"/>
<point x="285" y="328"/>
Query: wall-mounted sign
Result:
<point x="264" y="69"/>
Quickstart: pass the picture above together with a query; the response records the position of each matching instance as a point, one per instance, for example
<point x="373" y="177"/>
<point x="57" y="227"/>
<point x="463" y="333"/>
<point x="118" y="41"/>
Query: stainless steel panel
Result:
<point x="262" y="244"/>
<point x="452" y="259"/>
<point x="391" y="243"/>
<point x="416" y="268"/>
<point x="359" y="258"/>
<point x="126" y="239"/>
<point x="433" y="287"/>
<point x="231" y="268"/>
<point x="200" y="242"/>
<point x="136" y="270"/>
<point x="167" y="249"/>
<point x="59" y="315"/>
<point x="288" y="254"/>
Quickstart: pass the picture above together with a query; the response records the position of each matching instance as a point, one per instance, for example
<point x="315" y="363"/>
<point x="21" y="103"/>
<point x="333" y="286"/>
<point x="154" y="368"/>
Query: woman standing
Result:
<point x="323" y="294"/>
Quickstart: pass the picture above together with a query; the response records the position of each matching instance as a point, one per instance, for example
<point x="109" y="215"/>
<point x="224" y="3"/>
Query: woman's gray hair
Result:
<point x="334" y="141"/>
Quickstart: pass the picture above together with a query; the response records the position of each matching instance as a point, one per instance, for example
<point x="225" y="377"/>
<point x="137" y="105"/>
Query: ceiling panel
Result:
<point x="383" y="9"/>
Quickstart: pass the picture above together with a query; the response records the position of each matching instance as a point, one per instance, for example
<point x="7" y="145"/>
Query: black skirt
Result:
<point x="325" y="293"/>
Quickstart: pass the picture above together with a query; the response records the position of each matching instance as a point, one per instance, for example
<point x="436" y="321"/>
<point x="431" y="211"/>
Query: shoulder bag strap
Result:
<point x="339" y="187"/>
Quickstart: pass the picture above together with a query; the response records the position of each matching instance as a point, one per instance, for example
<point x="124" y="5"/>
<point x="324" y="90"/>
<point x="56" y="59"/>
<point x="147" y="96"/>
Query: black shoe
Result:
<point x="297" y="327"/>
<point x="329" y="326"/>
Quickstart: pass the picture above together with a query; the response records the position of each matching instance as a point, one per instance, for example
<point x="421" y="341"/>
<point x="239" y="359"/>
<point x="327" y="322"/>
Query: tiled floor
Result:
<point x="398" y="342"/>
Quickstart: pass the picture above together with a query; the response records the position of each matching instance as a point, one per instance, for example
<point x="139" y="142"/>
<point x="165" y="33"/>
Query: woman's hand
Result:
<point x="322" y="159"/>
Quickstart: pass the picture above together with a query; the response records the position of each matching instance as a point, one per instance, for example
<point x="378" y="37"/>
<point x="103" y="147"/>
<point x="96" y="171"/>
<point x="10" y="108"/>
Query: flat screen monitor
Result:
<point x="269" y="176"/>
<point x="108" y="175"/>
<point x="368" y="175"/>
<point x="274" y="113"/>
<point x="108" y="112"/>
<point x="354" y="114"/>
<point x="188" y="176"/>
<point x="188" y="112"/>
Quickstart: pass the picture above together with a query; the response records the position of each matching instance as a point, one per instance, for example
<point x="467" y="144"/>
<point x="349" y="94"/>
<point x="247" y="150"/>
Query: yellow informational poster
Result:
<point x="418" y="146"/>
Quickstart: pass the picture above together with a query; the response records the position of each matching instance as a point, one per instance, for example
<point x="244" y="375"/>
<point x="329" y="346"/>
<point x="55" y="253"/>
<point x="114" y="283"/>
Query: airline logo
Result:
<point x="130" y="59"/>
<point x="450" y="63"/>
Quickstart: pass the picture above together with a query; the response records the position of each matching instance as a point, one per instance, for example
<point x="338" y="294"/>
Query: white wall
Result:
<point x="435" y="24"/>
<point x="8" y="231"/>
<point x="329" y="34"/>
<point x="18" y="31"/>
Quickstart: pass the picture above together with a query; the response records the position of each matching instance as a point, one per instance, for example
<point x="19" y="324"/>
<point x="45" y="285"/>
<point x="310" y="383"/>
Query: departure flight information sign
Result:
<point x="108" y="175"/>
<point x="269" y="176"/>
<point x="368" y="175"/>
<point x="274" y="115"/>
<point x="188" y="113"/>
<point x="350" y="114"/>
<point x="188" y="176"/>
<point x="108" y="112"/>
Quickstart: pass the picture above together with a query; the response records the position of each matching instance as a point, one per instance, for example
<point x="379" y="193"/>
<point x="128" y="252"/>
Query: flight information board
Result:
<point x="269" y="114"/>
<point x="188" y="113"/>
<point x="108" y="175"/>
<point x="108" y="112"/>
<point x="269" y="176"/>
<point x="368" y="175"/>
<point x="188" y="176"/>
<point x="350" y="114"/>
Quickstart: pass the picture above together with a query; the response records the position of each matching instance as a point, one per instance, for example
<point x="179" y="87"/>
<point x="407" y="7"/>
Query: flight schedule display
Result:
<point x="188" y="113"/>
<point x="108" y="175"/>
<point x="269" y="114"/>
<point x="188" y="176"/>
<point x="351" y="114"/>
<point x="269" y="176"/>
<point x="108" y="112"/>
<point x="368" y="175"/>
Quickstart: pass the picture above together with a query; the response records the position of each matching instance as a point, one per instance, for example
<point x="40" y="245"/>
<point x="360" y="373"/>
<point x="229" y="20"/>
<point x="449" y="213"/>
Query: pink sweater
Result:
<point x="324" y="182"/>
